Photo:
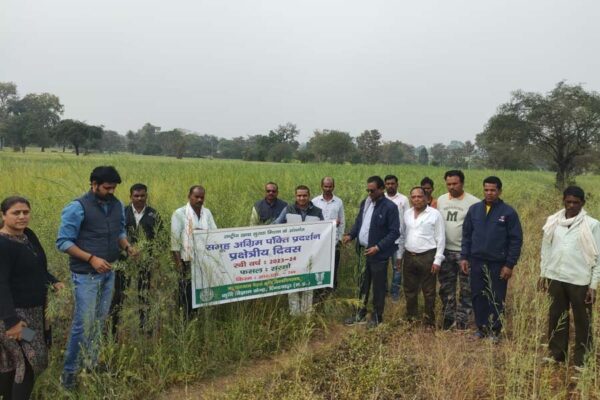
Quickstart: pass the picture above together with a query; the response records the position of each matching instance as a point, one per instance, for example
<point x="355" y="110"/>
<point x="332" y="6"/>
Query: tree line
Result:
<point x="557" y="131"/>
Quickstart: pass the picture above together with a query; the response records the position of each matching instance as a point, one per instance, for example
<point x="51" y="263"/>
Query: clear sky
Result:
<point x="419" y="71"/>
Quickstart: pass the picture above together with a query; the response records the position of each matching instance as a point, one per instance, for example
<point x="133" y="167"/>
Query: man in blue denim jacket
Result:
<point x="92" y="233"/>
<point x="377" y="227"/>
<point x="491" y="246"/>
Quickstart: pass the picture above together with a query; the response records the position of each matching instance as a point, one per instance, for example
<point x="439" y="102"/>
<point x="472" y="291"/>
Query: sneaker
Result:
<point x="68" y="380"/>
<point x="478" y="335"/>
<point x="356" y="319"/>
<point x="494" y="338"/>
<point x="579" y="369"/>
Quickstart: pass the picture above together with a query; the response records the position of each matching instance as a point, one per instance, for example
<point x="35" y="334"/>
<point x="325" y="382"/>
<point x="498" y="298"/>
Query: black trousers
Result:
<point x="184" y="295"/>
<point x="9" y="390"/>
<point x="336" y="267"/>
<point x="564" y="296"/>
<point x="375" y="277"/>
<point x="121" y="283"/>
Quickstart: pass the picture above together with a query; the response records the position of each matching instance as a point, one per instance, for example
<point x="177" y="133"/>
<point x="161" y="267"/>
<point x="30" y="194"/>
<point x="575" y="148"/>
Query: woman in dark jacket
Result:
<point x="24" y="279"/>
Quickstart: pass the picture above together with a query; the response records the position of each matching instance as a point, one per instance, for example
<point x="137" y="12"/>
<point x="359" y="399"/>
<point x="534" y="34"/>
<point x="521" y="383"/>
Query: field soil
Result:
<point x="218" y="385"/>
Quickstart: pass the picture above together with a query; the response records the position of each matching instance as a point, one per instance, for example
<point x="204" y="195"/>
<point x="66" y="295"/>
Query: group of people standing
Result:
<point x="457" y="240"/>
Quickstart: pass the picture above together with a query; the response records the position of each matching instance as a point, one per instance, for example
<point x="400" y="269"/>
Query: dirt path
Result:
<point x="212" y="387"/>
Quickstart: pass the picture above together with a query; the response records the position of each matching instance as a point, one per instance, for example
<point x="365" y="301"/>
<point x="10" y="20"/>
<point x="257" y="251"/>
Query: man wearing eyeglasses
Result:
<point x="377" y="227"/>
<point x="269" y="208"/>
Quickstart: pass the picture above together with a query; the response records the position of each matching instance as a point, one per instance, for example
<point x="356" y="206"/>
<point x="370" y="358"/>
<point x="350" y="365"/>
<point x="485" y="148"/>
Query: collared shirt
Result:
<point x="563" y="260"/>
<point x="332" y="210"/>
<point x="70" y="224"/>
<point x="423" y="233"/>
<point x="402" y="202"/>
<point x="138" y="215"/>
<point x="363" y="234"/>
<point x="205" y="221"/>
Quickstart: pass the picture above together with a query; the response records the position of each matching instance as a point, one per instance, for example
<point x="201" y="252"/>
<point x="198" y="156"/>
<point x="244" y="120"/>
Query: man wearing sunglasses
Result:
<point x="269" y="208"/>
<point x="377" y="228"/>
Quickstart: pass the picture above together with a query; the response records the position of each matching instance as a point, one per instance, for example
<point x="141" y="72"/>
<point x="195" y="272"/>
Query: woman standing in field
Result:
<point x="24" y="278"/>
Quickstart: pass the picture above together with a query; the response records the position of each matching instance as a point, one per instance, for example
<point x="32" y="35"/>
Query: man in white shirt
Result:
<point x="454" y="206"/>
<point x="401" y="201"/>
<point x="333" y="209"/>
<point x="570" y="272"/>
<point x="422" y="247"/>
<point x="185" y="220"/>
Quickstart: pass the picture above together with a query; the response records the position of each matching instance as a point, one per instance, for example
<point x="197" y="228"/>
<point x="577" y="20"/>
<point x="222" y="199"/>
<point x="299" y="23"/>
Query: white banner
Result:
<point x="247" y="263"/>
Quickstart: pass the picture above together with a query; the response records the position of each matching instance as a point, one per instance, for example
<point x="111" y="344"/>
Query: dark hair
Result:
<point x="574" y="191"/>
<point x="194" y="188"/>
<point x="327" y="177"/>
<point x="455" y="172"/>
<point x="427" y="180"/>
<point x="8" y="202"/>
<point x="302" y="187"/>
<point x="105" y="174"/>
<point x="417" y="187"/>
<point x="494" y="180"/>
<point x="389" y="177"/>
<point x="272" y="183"/>
<point x="376" y="179"/>
<point x="137" y="187"/>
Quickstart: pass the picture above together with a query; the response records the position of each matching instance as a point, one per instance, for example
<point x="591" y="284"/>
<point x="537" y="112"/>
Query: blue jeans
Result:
<point x="396" y="277"/>
<point x="93" y="295"/>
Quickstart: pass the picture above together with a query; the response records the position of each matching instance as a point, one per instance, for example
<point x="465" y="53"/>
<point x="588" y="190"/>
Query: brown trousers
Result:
<point x="564" y="296"/>
<point x="417" y="276"/>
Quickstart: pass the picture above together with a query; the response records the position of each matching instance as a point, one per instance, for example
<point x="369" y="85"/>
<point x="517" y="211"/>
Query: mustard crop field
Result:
<point x="254" y="349"/>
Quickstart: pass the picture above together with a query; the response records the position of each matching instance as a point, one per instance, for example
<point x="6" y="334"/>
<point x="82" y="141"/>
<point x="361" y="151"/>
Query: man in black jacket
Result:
<point x="303" y="210"/>
<point x="377" y="227"/>
<point x="491" y="245"/>
<point x="140" y="219"/>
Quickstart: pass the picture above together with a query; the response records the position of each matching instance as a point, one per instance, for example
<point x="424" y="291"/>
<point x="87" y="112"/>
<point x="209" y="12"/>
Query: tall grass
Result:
<point x="396" y="360"/>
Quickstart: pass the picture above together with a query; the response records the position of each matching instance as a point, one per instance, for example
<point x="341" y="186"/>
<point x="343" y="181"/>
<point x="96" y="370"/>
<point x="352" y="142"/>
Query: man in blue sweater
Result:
<point x="491" y="246"/>
<point x="377" y="227"/>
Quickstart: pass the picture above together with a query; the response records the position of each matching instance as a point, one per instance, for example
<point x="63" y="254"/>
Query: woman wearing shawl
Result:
<point x="570" y="271"/>
<point x="24" y="279"/>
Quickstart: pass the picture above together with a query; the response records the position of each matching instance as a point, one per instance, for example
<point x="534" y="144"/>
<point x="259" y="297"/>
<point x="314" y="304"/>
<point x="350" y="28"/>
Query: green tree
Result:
<point x="397" y="152"/>
<point x="564" y="124"/>
<point x="369" y="146"/>
<point x="8" y="94"/>
<point x="423" y="156"/>
<point x="147" y="140"/>
<point x="231" y="148"/>
<point x="77" y="133"/>
<point x="112" y="142"/>
<point x="439" y="154"/>
<point x="331" y="146"/>
<point x="32" y="118"/>
<point x="173" y="143"/>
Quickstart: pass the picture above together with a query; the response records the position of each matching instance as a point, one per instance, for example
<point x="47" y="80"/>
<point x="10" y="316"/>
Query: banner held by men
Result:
<point x="246" y="263"/>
